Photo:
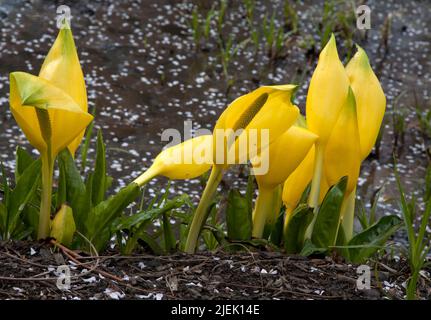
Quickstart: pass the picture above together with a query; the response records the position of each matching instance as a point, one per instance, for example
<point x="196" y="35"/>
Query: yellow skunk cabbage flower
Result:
<point x="370" y="107"/>
<point x="343" y="153"/>
<point x="285" y="154"/>
<point x="62" y="69"/>
<point x="343" y="157"/>
<point x="327" y="92"/>
<point x="265" y="110"/>
<point x="175" y="163"/>
<point x="326" y="96"/>
<point x="52" y="111"/>
<point x="48" y="116"/>
<point x="370" y="100"/>
<point x="268" y="107"/>
<point x="297" y="182"/>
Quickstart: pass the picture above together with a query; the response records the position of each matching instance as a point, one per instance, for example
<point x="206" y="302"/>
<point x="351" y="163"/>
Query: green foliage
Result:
<point x="136" y="226"/>
<point x="419" y="243"/>
<point x="298" y="223"/>
<point x="327" y="222"/>
<point x="16" y="200"/>
<point x="238" y="217"/>
<point x="364" y="244"/>
<point x="93" y="212"/>
<point x="328" y="233"/>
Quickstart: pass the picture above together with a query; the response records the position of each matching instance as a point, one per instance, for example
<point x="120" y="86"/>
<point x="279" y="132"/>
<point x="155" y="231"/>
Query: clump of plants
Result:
<point x="306" y="169"/>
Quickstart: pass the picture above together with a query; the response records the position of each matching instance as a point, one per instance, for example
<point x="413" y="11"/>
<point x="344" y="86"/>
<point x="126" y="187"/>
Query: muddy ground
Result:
<point x="29" y="271"/>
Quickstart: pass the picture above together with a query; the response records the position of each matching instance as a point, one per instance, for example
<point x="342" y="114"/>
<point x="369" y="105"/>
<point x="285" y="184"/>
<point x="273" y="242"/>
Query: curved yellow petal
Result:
<point x="186" y="160"/>
<point x="277" y="115"/>
<point x="285" y="154"/>
<point x="66" y="119"/>
<point x="327" y="92"/>
<point x="370" y="100"/>
<point x="62" y="68"/>
<point x="297" y="181"/>
<point x="343" y="154"/>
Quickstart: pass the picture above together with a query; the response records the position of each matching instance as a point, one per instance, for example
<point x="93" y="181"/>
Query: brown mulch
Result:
<point x="29" y="271"/>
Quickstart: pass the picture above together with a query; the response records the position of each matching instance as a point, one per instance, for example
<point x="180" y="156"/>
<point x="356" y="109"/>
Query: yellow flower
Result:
<point x="52" y="111"/>
<point x="326" y="96"/>
<point x="186" y="160"/>
<point x="370" y="108"/>
<point x="327" y="92"/>
<point x="267" y="109"/>
<point x="370" y="100"/>
<point x="297" y="182"/>
<point x="62" y="69"/>
<point x="284" y="156"/>
<point x="45" y="112"/>
<point x="343" y="154"/>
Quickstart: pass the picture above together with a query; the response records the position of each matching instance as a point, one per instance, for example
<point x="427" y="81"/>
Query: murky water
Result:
<point x="144" y="74"/>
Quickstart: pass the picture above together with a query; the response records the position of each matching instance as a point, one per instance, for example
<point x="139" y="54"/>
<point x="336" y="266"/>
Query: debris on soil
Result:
<point x="32" y="270"/>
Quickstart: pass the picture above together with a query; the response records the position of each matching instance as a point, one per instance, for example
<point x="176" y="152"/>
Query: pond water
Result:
<point x="144" y="74"/>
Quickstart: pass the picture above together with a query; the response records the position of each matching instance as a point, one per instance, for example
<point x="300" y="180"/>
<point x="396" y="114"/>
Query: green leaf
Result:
<point x="136" y="220"/>
<point x="328" y="217"/>
<point x="63" y="226"/>
<point x="373" y="238"/>
<point x="238" y="217"/>
<point x="86" y="145"/>
<point x="295" y="231"/>
<point x="276" y="236"/>
<point x="5" y="186"/>
<point x="168" y="233"/>
<point x="341" y="243"/>
<point x="151" y="242"/>
<point x="61" y="195"/>
<point x="3" y="219"/>
<point x="99" y="177"/>
<point x="101" y="217"/>
<point x="75" y="192"/>
<point x="250" y="192"/>
<point x="310" y="248"/>
<point x="23" y="160"/>
<point x="30" y="216"/>
<point x="23" y="192"/>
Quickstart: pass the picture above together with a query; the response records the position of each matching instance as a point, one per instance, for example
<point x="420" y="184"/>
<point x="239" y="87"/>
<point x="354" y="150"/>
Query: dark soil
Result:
<point x="29" y="271"/>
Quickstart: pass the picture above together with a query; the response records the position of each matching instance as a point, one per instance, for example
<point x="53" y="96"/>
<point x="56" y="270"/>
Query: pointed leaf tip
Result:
<point x="330" y="49"/>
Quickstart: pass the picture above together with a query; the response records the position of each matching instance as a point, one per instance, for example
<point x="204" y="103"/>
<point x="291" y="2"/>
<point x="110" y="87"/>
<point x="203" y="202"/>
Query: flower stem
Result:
<point x="45" y="205"/>
<point x="147" y="176"/>
<point x="266" y="210"/>
<point x="201" y="212"/>
<point x="412" y="285"/>
<point x="348" y="214"/>
<point x="313" y="200"/>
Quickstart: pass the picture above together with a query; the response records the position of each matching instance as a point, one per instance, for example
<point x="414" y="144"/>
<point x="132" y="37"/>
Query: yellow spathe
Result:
<point x="276" y="114"/>
<point x="370" y="100"/>
<point x="327" y="92"/>
<point x="285" y="154"/>
<point x="186" y="160"/>
<point x="62" y="69"/>
<point x="66" y="118"/>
